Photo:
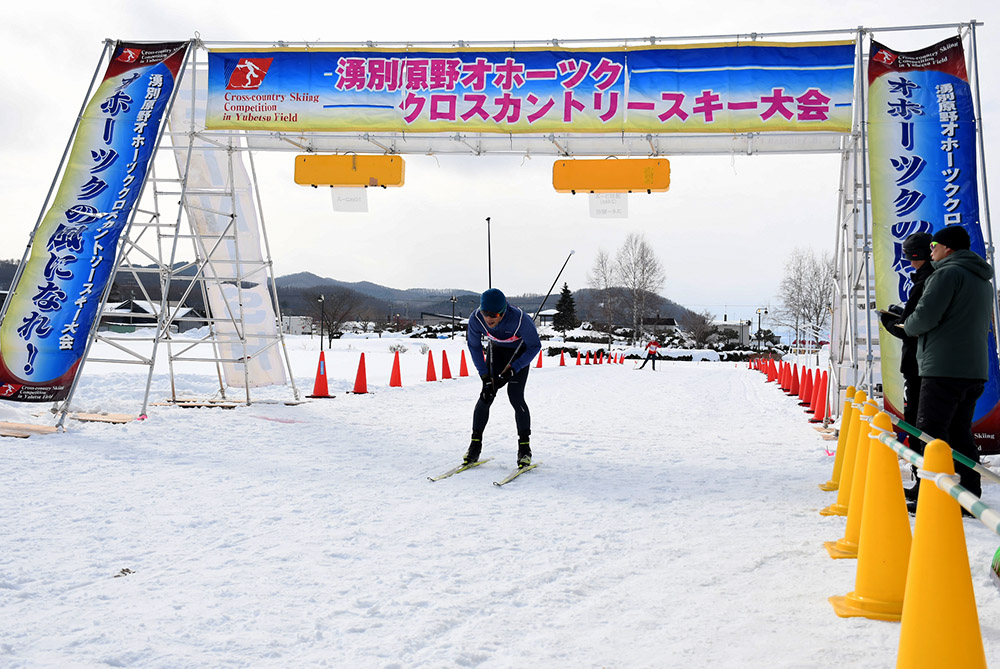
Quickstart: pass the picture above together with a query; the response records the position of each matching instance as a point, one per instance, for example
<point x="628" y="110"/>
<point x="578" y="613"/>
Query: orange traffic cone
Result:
<point x="814" y="399"/>
<point x="395" y="379"/>
<point x="793" y="381"/>
<point x="539" y="365"/>
<point x="463" y="369"/>
<point x="361" y="381"/>
<point x="431" y="374"/>
<point x="587" y="361"/>
<point x="320" y="387"/>
<point x="578" y="358"/>
<point x="940" y="625"/>
<point x="806" y="389"/>
<point x="562" y="358"/>
<point x="600" y="357"/>
<point x="445" y="369"/>
<point x="821" y="412"/>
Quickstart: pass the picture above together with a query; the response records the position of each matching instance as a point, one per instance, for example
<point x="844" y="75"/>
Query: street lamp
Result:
<point x="453" y="301"/>
<point x="322" y="317"/>
<point x="760" y="334"/>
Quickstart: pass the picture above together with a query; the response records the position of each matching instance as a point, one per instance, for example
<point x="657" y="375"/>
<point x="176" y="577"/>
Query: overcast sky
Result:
<point x="723" y="230"/>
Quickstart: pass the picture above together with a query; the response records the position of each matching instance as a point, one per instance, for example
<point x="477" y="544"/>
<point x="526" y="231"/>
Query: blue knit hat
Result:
<point x="493" y="301"/>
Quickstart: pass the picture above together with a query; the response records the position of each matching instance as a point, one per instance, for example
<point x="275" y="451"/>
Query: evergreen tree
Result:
<point x="566" y="318"/>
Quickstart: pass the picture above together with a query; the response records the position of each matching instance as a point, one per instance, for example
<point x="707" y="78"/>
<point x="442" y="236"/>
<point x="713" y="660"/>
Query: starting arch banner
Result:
<point x="709" y="88"/>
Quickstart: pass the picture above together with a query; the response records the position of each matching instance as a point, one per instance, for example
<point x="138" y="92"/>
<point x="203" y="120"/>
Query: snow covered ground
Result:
<point x="673" y="523"/>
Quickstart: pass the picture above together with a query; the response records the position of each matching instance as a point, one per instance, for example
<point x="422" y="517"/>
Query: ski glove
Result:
<point x="506" y="375"/>
<point x="489" y="388"/>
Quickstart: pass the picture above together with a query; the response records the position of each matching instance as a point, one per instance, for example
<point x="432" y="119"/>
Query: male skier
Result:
<point x="513" y="345"/>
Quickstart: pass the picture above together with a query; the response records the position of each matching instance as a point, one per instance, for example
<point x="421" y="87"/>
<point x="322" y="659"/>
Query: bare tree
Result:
<point x="637" y="269"/>
<point x="602" y="279"/>
<point x="698" y="326"/>
<point x="337" y="305"/>
<point x="806" y="293"/>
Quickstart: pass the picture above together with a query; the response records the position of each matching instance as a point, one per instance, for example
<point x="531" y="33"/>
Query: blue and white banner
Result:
<point x="922" y="159"/>
<point x="699" y="88"/>
<point x="53" y="307"/>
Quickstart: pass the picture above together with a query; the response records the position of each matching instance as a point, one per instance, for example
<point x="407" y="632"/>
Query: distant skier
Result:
<point x="651" y="353"/>
<point x="513" y="345"/>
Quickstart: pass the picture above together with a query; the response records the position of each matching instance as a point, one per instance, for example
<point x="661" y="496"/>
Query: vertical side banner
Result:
<point x="922" y="158"/>
<point x="52" y="308"/>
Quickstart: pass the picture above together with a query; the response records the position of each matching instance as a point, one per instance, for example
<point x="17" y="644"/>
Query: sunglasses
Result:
<point x="493" y="314"/>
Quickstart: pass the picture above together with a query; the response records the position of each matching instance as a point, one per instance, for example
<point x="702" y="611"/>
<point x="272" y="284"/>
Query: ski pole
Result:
<point x="540" y="307"/>
<point x="489" y="256"/>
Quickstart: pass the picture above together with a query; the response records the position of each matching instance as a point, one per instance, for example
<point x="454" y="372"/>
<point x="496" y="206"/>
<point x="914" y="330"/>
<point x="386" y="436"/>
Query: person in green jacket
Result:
<point x="952" y="322"/>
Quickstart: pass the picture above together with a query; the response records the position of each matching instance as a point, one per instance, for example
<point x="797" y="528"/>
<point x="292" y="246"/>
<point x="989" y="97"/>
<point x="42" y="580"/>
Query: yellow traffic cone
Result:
<point x="847" y="546"/>
<point x="884" y="544"/>
<point x="839" y="508"/>
<point x="845" y="427"/>
<point x="940" y="625"/>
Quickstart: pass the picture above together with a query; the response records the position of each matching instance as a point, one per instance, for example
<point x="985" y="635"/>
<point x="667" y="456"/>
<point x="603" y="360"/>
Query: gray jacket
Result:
<point x="952" y="318"/>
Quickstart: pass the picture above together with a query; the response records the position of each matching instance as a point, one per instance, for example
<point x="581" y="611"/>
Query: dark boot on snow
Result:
<point x="475" y="448"/>
<point x="523" y="452"/>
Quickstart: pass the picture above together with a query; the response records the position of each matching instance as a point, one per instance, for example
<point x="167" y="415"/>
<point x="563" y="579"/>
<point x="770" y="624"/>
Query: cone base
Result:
<point x="841" y="549"/>
<point x="830" y="485"/>
<point x="321" y="397"/>
<point x="853" y="605"/>
<point x="834" y="510"/>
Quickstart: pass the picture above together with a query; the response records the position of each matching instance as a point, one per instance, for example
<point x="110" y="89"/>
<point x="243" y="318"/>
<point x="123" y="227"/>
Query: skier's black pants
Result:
<point x="651" y="356"/>
<point x="947" y="406"/>
<point x="515" y="393"/>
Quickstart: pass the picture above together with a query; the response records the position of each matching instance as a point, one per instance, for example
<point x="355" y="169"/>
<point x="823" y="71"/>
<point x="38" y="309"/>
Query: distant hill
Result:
<point x="298" y="294"/>
<point x="412" y="301"/>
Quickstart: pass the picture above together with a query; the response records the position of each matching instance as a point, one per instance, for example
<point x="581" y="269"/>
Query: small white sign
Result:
<point x="609" y="205"/>
<point x="350" y="199"/>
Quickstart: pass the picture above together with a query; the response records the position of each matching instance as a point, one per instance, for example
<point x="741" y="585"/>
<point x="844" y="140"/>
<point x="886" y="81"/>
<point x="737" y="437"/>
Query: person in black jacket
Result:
<point x="952" y="324"/>
<point x="917" y="250"/>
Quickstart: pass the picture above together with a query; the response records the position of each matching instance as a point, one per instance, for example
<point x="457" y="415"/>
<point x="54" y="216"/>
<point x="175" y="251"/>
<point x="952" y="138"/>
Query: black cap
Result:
<point x="954" y="237"/>
<point x="917" y="246"/>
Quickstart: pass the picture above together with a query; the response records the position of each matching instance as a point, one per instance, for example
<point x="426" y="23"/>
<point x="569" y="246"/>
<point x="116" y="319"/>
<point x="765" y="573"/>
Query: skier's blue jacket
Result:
<point x="515" y="327"/>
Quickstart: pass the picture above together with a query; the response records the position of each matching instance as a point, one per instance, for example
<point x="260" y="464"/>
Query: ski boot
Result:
<point x="475" y="448"/>
<point x="523" y="452"/>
